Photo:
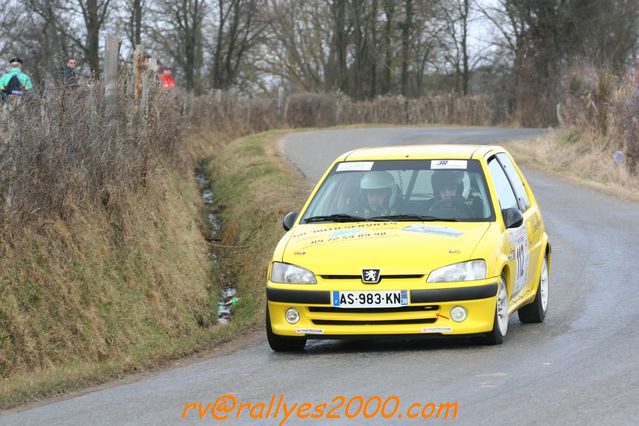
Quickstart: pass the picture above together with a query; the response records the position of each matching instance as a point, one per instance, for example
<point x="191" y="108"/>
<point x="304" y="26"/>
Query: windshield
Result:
<point x="410" y="190"/>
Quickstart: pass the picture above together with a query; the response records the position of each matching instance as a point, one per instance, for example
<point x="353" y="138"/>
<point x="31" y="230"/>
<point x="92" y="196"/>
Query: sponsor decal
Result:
<point x="443" y="231"/>
<point x="355" y="166"/>
<point x="437" y="330"/>
<point x="346" y="233"/>
<point x="309" y="331"/>
<point x="448" y="164"/>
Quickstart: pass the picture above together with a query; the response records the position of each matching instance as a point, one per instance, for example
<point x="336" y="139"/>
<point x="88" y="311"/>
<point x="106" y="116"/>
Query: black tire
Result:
<point x="498" y="333"/>
<point x="536" y="311"/>
<point x="283" y="343"/>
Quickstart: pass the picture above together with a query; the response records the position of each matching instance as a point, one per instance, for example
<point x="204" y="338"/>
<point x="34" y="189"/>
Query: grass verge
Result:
<point x="107" y="292"/>
<point x="255" y="187"/>
<point x="129" y="290"/>
<point x="580" y="157"/>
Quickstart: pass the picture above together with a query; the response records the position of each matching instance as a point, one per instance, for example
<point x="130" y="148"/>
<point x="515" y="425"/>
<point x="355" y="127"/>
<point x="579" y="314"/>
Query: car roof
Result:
<point x="421" y="152"/>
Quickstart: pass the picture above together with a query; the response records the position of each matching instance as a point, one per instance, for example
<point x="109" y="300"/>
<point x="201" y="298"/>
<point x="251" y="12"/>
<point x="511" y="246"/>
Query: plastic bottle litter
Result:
<point x="201" y="180"/>
<point x="224" y="311"/>
<point x="229" y="292"/>
<point x="213" y="223"/>
<point x="207" y="195"/>
<point x="232" y="302"/>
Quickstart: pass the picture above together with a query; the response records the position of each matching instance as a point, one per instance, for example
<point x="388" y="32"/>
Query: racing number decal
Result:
<point x="519" y="240"/>
<point x="519" y="254"/>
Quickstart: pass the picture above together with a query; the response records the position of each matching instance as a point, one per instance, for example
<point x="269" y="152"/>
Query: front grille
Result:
<point x="369" y="322"/>
<point x="374" y="310"/>
<point x="359" y="277"/>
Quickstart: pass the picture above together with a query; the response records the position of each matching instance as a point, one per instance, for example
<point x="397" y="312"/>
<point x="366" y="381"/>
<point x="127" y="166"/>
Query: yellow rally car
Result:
<point x="410" y="240"/>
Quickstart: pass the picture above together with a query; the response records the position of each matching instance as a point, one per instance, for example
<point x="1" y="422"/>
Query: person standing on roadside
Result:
<point x="168" y="81"/>
<point x="15" y="83"/>
<point x="69" y="76"/>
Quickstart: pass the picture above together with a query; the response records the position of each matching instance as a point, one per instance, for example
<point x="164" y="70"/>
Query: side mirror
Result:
<point x="289" y="220"/>
<point x="512" y="217"/>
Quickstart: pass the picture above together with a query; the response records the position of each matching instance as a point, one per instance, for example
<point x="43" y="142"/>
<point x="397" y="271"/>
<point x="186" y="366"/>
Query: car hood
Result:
<point x="396" y="248"/>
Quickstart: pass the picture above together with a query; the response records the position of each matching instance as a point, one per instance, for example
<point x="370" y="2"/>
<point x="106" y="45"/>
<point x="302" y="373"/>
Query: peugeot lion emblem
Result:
<point x="370" y="276"/>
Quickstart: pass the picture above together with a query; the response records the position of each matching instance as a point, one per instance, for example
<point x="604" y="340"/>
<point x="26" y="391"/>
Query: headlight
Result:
<point x="291" y="274"/>
<point x="463" y="271"/>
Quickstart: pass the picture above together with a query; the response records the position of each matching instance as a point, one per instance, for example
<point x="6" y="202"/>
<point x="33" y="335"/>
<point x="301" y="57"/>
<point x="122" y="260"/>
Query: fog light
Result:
<point x="458" y="314"/>
<point x="292" y="316"/>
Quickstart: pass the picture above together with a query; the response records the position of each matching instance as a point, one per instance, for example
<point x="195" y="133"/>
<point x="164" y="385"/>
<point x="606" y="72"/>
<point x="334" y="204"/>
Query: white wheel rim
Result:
<point x="543" y="285"/>
<point x="502" y="308"/>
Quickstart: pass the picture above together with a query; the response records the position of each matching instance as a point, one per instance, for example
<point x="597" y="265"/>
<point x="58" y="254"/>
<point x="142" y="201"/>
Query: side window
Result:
<point x="505" y="192"/>
<point x="515" y="180"/>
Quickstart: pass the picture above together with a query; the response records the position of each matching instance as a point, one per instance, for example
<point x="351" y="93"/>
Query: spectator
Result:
<point x="15" y="83"/>
<point x="155" y="76"/>
<point x="167" y="78"/>
<point x="69" y="77"/>
<point x="145" y="63"/>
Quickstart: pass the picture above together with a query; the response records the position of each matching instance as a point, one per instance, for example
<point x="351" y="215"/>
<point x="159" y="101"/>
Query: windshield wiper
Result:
<point x="340" y="217"/>
<point x="414" y="217"/>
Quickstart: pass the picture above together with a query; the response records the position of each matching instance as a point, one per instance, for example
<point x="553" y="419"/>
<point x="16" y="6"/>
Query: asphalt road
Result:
<point x="581" y="366"/>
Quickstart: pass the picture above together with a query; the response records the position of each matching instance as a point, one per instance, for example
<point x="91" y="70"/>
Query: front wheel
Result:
<point x="282" y="343"/>
<point x="500" y="323"/>
<point x="536" y="311"/>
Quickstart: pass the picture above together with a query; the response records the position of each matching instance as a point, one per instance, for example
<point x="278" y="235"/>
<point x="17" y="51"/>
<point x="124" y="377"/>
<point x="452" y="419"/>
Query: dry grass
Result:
<point x="322" y="110"/>
<point x="578" y="155"/>
<point x="603" y="106"/>
<point x="61" y="152"/>
<point x="110" y="289"/>
<point x="601" y="114"/>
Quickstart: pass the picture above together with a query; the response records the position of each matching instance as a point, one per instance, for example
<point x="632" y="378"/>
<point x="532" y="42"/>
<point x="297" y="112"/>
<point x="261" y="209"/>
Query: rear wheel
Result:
<point x="282" y="343"/>
<point x="500" y="323"/>
<point x="536" y="311"/>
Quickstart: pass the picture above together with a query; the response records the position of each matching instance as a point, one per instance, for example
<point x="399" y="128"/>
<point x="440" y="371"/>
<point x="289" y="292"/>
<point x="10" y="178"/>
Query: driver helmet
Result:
<point x="380" y="180"/>
<point x="442" y="179"/>
<point x="377" y="180"/>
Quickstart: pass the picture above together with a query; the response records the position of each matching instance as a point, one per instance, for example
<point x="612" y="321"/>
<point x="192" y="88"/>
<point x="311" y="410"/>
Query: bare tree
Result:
<point x="337" y="72"/>
<point x="605" y="31"/>
<point x="389" y="7"/>
<point x="179" y="32"/>
<point x="32" y="30"/>
<point x="406" y="26"/>
<point x="94" y="14"/>
<point x="299" y="44"/>
<point x="135" y="12"/>
<point x="238" y="29"/>
<point x="457" y="14"/>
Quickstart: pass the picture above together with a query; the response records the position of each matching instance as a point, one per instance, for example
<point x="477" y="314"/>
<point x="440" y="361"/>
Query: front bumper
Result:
<point x="428" y="311"/>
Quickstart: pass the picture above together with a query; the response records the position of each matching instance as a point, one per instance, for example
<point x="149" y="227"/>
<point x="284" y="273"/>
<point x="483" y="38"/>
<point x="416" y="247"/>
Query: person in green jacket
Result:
<point x="15" y="82"/>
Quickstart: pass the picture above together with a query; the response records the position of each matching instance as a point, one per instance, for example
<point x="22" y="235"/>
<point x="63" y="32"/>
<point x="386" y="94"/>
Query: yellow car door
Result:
<point x="516" y="238"/>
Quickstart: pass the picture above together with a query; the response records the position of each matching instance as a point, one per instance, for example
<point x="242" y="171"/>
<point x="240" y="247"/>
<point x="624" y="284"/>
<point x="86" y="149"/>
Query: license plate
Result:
<point x="370" y="299"/>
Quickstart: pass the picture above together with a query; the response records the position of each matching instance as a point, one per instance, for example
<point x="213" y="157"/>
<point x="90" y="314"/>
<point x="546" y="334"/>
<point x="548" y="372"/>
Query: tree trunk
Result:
<point x="341" y="41"/>
<point x="406" y="27"/>
<point x="464" y="47"/>
<point x="389" y="11"/>
<point x="136" y="22"/>
<point x="93" y="37"/>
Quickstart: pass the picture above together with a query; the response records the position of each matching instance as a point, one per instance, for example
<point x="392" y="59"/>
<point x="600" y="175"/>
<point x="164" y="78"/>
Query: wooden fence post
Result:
<point x="138" y="71"/>
<point x="111" y="83"/>
<point x="147" y="81"/>
<point x="280" y="104"/>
